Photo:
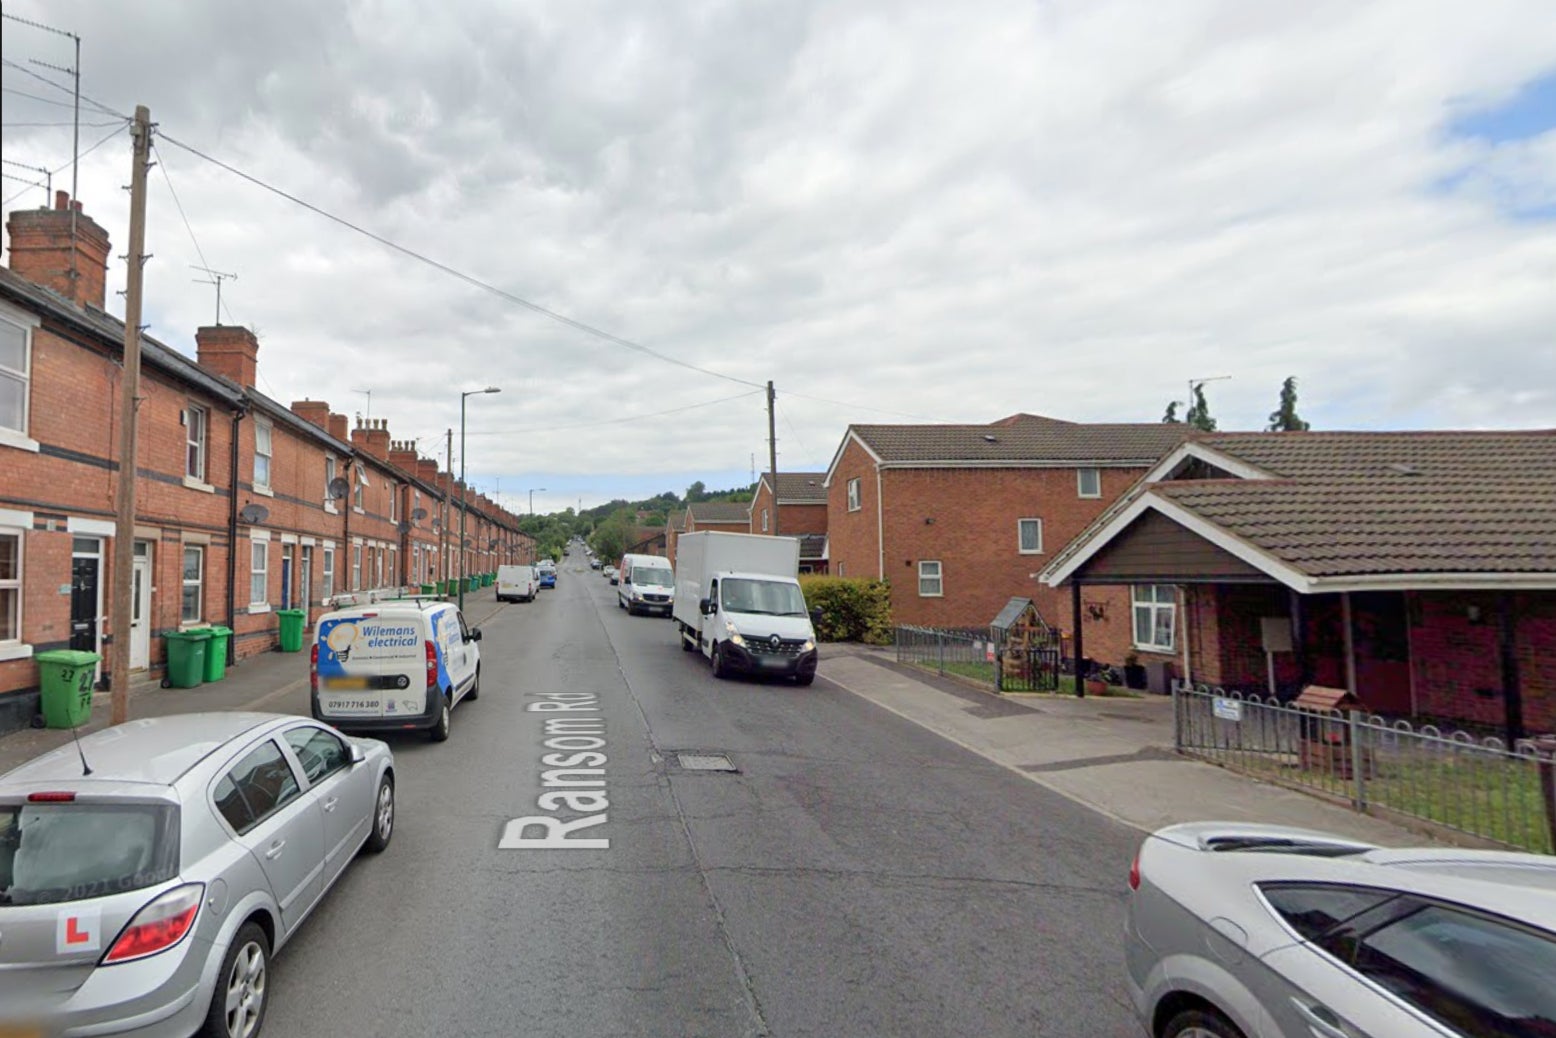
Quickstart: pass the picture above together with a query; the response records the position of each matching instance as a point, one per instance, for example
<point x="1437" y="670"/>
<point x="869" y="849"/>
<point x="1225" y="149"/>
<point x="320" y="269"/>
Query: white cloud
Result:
<point x="1068" y="208"/>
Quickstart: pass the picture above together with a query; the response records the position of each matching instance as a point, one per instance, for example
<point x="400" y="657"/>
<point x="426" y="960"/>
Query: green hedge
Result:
<point x="851" y="610"/>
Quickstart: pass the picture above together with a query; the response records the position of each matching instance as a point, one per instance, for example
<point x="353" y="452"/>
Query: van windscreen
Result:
<point x="655" y="575"/>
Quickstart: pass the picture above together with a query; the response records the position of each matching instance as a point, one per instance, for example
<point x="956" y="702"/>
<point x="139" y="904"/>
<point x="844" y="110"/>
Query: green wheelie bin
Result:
<point x="216" y="653"/>
<point x="291" y="629"/>
<point x="66" y="677"/>
<point x="186" y="657"/>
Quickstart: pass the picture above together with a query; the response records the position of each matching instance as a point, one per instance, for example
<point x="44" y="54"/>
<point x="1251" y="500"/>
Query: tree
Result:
<point x="698" y="491"/>
<point x="1171" y="417"/>
<point x="1198" y="414"/>
<point x="1285" y="418"/>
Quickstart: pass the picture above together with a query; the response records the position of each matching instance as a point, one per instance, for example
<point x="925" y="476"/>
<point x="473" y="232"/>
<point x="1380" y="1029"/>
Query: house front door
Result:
<point x="1382" y="644"/>
<point x="140" y="607"/>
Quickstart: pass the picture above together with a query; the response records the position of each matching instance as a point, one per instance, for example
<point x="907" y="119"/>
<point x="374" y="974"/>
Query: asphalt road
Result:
<point x="855" y="876"/>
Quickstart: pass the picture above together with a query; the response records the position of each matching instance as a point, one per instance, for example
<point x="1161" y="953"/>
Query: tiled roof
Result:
<point x="676" y="520"/>
<point x="721" y="512"/>
<point x="1345" y="504"/>
<point x="802" y="488"/>
<point x="1023" y="439"/>
<point x="813" y="545"/>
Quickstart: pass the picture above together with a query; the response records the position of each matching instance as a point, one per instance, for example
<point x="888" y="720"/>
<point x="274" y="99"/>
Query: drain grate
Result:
<point x="704" y="762"/>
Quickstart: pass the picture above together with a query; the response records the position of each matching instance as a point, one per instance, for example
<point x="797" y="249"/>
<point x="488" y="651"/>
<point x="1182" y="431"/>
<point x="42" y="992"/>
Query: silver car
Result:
<point x="1250" y="931"/>
<point x="147" y="876"/>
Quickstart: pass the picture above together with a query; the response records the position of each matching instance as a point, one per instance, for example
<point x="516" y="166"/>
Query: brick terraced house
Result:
<point x="235" y="513"/>
<point x="1415" y="569"/>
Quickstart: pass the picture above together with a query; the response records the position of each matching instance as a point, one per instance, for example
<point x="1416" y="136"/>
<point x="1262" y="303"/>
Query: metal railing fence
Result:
<point x="979" y="654"/>
<point x="1480" y="786"/>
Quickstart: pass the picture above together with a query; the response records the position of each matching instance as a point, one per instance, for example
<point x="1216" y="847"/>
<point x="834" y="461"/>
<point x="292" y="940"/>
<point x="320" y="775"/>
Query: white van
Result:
<point x="394" y="665"/>
<point x="647" y="584"/>
<point x="517" y="583"/>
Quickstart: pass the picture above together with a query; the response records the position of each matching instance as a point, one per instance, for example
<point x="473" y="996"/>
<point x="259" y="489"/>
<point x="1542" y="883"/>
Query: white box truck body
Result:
<point x="738" y="602"/>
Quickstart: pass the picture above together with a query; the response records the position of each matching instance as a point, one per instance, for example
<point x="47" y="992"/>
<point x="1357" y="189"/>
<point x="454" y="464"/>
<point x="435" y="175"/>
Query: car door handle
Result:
<point x="1321" y="1021"/>
<point x="329" y="805"/>
<point x="275" y="850"/>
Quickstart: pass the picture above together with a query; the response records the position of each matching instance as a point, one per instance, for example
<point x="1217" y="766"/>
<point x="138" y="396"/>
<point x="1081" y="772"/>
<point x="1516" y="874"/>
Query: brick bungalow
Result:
<point x="800" y="511"/>
<point x="961" y="518"/>
<point x="1417" y="570"/>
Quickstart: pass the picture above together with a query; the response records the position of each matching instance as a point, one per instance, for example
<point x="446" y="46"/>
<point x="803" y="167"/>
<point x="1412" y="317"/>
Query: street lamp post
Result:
<point x="463" y="547"/>
<point x="532" y="498"/>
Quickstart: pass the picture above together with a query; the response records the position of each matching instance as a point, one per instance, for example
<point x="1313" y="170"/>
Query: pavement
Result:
<point x="1113" y="755"/>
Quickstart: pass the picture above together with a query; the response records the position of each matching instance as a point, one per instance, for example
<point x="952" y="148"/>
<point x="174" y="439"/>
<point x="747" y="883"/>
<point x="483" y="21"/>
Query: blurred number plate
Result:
<point x="345" y="683"/>
<point x="774" y="661"/>
<point x="1227" y="709"/>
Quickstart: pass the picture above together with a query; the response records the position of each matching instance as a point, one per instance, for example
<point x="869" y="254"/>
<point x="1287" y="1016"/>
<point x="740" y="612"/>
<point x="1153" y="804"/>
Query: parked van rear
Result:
<point x="517" y="583"/>
<point x="394" y="665"/>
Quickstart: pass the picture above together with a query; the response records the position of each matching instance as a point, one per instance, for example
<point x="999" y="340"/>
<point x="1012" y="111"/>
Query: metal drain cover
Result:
<point x="704" y="762"/>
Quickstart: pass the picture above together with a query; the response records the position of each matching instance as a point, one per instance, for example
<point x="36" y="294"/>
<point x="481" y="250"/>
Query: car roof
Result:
<point x="157" y="750"/>
<point x="1509" y="883"/>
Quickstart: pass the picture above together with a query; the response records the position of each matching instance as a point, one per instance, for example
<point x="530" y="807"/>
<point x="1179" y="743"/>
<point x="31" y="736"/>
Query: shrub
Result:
<point x="851" y="610"/>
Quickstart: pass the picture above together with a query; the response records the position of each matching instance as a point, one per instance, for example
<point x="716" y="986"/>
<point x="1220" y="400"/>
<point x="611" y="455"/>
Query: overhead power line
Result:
<point x="616" y="421"/>
<point x="24" y="70"/>
<point x="469" y="279"/>
<point x="110" y="135"/>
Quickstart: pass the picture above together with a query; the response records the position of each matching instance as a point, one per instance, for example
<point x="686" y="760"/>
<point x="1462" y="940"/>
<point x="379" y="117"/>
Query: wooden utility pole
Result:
<point x="772" y="455"/>
<point x="129" y="404"/>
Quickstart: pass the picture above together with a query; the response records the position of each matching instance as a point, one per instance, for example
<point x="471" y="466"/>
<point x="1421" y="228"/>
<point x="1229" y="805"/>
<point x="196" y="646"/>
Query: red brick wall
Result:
<point x="1457" y="663"/>
<point x="852" y="536"/>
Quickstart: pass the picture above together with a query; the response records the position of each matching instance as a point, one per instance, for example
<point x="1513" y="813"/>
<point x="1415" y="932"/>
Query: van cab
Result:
<point x="517" y="583"/>
<point x="647" y="584"/>
<point x="396" y="665"/>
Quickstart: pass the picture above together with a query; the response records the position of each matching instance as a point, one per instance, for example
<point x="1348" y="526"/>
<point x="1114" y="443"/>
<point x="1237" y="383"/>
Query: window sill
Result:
<point x="1029" y="551"/>
<point x="1157" y="649"/>
<point x="15" y="651"/>
<point x="357" y="510"/>
<point x="1089" y="497"/>
<point x="22" y="442"/>
<point x="331" y="509"/>
<point x="200" y="485"/>
<point x="264" y="491"/>
<point x="258" y="607"/>
<point x="931" y="594"/>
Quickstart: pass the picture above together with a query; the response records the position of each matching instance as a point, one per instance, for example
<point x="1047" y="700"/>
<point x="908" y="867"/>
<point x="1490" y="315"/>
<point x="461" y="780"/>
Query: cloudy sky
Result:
<point x="895" y="211"/>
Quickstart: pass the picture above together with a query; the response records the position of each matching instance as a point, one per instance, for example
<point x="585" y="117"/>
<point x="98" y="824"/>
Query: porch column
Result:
<point x="1075" y="619"/>
<point x="1349" y="642"/>
<point x="1512" y="693"/>
<point x="1299" y="641"/>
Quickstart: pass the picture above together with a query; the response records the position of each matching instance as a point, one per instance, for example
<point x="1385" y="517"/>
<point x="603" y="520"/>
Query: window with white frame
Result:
<point x="193" y="584"/>
<point x="1088" y="482"/>
<point x="764" y="520"/>
<point x="1029" y="536"/>
<point x="356" y="567"/>
<point x="328" y="584"/>
<point x="196" y="423"/>
<point x="259" y="572"/>
<point x="394" y="503"/>
<point x="929" y="583"/>
<point x="839" y="569"/>
<point x="329" y="477"/>
<point x="361" y="484"/>
<point x="853" y="494"/>
<point x="1156" y="616"/>
<point x="15" y="375"/>
<point x="262" y="453"/>
<point x="10" y="587"/>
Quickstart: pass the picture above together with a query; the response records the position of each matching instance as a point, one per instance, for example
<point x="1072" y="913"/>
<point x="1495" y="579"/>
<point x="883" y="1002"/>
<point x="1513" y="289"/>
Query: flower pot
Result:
<point x="1095" y="687"/>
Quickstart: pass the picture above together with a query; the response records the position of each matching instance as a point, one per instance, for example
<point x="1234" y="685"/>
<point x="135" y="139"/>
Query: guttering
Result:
<point x="232" y="540"/>
<point x="880" y="527"/>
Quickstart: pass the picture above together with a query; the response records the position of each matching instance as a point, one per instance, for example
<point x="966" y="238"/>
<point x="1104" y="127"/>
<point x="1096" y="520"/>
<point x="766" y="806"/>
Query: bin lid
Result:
<point x="197" y="634"/>
<point x="71" y="657"/>
<point x="217" y="630"/>
<point x="290" y="612"/>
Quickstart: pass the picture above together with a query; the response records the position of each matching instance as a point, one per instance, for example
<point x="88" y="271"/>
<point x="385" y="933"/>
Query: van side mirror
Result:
<point x="706" y="606"/>
<point x="475" y="634"/>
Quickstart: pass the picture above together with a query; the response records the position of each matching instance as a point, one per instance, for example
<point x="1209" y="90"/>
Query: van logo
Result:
<point x="776" y="641"/>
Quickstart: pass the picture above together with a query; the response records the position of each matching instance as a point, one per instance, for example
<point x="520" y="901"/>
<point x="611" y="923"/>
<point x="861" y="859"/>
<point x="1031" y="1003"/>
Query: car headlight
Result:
<point x="734" y="635"/>
<point x="810" y="643"/>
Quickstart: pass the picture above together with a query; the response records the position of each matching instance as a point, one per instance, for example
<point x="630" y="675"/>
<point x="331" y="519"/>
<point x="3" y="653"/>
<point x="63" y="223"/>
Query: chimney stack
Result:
<point x="337" y="427"/>
<point x="372" y="435"/>
<point x="41" y="251"/>
<point x="229" y="350"/>
<point x="315" y="412"/>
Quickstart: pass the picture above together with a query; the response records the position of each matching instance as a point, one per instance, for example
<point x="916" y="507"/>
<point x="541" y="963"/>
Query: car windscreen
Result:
<point x="769" y="597"/>
<point x="72" y="851"/>
<point x="655" y="575"/>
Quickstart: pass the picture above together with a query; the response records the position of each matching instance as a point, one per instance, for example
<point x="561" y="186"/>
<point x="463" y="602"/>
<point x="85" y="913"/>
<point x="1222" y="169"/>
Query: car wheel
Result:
<point x="439" y="731"/>
<point x="383" y="816"/>
<point x="238" y="1005"/>
<point x="804" y="679"/>
<point x="1200" y="1023"/>
<point x="720" y="668"/>
<point x="475" y="686"/>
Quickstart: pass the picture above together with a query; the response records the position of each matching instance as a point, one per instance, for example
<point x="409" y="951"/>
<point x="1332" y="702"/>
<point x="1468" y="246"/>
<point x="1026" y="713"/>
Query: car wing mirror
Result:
<point x="358" y="754"/>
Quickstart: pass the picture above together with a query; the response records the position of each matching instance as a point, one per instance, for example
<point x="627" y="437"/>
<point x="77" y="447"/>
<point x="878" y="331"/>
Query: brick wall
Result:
<point x="852" y="536"/>
<point x="1456" y="658"/>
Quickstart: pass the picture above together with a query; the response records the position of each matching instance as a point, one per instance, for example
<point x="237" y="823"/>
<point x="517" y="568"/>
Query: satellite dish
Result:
<point x="404" y="526"/>
<point x="339" y="488"/>
<point x="254" y="514"/>
<point x="419" y="514"/>
<point x="437" y="524"/>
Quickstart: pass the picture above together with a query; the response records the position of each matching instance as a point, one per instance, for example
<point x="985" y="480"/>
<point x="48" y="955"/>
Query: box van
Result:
<point x="647" y="584"/>
<point x="396" y="665"/>
<point x="517" y="583"/>
<point x="740" y="604"/>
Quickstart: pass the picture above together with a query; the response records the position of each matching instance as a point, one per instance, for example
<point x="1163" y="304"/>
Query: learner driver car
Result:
<point x="1236" y="930"/>
<point x="147" y="896"/>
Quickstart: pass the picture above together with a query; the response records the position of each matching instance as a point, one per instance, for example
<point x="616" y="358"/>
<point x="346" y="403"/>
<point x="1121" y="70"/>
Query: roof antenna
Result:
<point x="85" y="768"/>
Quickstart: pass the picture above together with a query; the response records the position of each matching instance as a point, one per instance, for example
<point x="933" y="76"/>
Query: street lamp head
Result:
<point x="492" y="389"/>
